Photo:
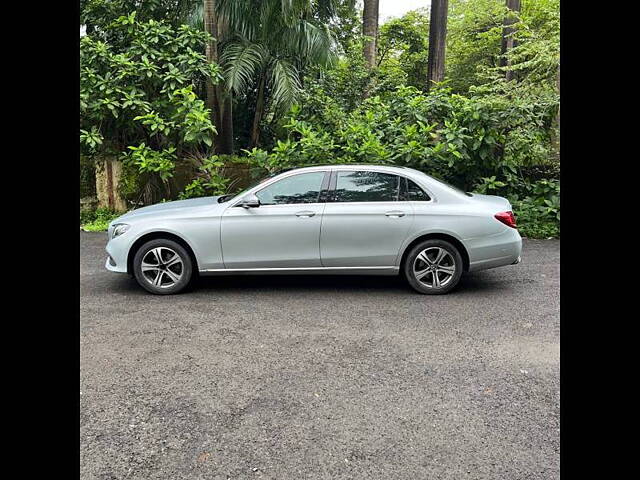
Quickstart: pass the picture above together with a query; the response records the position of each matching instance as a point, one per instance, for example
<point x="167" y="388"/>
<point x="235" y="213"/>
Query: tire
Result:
<point x="421" y="278"/>
<point x="167" y="276"/>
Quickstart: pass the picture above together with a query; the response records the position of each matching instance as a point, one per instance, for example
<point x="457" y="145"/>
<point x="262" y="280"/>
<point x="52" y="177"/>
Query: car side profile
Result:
<point x="331" y="219"/>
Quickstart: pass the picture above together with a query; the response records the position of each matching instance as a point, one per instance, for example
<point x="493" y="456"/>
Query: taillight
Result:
<point x="507" y="218"/>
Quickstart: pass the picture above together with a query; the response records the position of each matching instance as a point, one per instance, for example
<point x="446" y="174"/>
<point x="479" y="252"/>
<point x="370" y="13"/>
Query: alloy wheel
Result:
<point x="434" y="267"/>
<point x="162" y="267"/>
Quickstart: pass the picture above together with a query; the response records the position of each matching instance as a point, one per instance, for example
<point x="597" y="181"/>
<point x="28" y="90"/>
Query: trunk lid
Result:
<point x="499" y="204"/>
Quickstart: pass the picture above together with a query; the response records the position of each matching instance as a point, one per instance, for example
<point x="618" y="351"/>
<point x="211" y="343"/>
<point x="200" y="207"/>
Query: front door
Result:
<point x="366" y="221"/>
<point x="283" y="232"/>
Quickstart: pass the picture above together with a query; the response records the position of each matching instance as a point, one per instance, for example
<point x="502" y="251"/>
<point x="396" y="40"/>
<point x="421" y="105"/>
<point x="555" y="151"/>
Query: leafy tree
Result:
<point x="404" y="41"/>
<point x="345" y="23"/>
<point x="137" y="97"/>
<point x="473" y="41"/>
<point x="98" y="14"/>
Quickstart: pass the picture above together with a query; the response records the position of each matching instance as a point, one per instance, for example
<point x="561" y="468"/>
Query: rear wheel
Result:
<point x="433" y="267"/>
<point x="162" y="267"/>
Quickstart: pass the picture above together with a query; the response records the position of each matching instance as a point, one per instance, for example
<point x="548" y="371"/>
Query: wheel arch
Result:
<point x="437" y="236"/>
<point x="160" y="235"/>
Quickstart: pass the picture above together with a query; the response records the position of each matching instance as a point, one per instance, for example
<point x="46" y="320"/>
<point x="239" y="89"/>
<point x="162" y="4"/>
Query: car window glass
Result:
<point x="366" y="187"/>
<point x="303" y="188"/>
<point x="415" y="193"/>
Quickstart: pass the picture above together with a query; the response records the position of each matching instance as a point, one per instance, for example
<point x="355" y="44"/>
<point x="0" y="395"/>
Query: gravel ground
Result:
<point x="321" y="377"/>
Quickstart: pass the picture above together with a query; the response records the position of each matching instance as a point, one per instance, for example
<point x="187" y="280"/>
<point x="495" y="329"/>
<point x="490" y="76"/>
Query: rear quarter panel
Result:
<point x="475" y="227"/>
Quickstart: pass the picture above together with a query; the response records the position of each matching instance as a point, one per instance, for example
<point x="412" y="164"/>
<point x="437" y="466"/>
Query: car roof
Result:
<point x="348" y="166"/>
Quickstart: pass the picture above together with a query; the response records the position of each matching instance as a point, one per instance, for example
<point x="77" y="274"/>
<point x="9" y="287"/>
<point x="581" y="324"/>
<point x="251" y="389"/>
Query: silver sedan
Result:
<point x="335" y="219"/>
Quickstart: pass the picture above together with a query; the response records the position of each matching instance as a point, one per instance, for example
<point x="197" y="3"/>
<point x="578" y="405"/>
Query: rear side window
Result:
<point x="414" y="193"/>
<point x="366" y="187"/>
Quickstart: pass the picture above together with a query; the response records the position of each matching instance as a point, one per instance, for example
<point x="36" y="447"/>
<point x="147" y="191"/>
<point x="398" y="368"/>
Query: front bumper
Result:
<point x="117" y="251"/>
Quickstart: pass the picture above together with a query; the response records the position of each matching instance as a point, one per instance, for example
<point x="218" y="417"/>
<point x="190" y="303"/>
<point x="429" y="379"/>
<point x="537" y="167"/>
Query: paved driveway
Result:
<point x="321" y="377"/>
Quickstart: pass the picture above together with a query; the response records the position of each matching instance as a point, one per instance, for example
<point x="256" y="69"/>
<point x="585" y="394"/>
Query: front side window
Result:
<point x="302" y="188"/>
<point x="366" y="187"/>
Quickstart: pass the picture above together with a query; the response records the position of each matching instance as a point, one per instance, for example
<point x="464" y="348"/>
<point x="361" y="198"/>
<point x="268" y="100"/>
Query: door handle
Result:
<point x="395" y="214"/>
<point x="305" y="214"/>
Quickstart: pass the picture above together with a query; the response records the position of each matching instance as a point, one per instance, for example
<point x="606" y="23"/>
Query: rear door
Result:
<point x="365" y="220"/>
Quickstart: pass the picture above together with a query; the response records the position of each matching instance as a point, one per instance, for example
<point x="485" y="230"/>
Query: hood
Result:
<point x="499" y="204"/>
<point x="177" y="206"/>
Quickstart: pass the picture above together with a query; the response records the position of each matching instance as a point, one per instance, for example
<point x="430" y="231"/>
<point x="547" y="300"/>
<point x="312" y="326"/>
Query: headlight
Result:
<point x="119" y="229"/>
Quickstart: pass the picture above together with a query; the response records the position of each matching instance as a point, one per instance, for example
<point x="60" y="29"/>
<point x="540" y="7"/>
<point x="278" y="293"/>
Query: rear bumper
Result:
<point x="495" y="251"/>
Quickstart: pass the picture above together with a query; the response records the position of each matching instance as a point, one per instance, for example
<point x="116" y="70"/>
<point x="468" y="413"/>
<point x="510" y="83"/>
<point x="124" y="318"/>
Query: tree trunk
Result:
<point x="370" y="29"/>
<point x="437" y="41"/>
<point x="226" y="133"/>
<point x="108" y="173"/>
<point x="508" y="42"/>
<point x="255" y="130"/>
<point x="211" y="51"/>
<point x="218" y="100"/>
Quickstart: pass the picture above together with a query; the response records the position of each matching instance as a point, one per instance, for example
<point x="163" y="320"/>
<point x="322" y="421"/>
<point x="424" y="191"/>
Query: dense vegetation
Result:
<point x="294" y="88"/>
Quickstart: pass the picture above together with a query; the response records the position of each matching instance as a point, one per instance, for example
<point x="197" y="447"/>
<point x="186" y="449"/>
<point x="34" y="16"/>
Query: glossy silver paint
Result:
<point x="352" y="237"/>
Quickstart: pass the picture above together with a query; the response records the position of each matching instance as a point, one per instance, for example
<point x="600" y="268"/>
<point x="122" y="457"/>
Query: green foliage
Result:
<point x="152" y="161"/>
<point x="404" y="45"/>
<point x="537" y="207"/>
<point x="480" y="144"/>
<point x="97" y="220"/>
<point x="137" y="93"/>
<point x="143" y="74"/>
<point x="457" y="138"/>
<point x="210" y="179"/>
<point x="273" y="44"/>
<point x="96" y="14"/>
<point x="474" y="33"/>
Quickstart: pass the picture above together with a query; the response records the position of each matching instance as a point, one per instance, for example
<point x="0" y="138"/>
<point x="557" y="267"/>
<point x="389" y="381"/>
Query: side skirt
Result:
<point x="304" y="271"/>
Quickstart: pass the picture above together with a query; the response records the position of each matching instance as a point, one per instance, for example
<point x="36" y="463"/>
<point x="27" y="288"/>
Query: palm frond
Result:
<point x="313" y="44"/>
<point x="241" y="62"/>
<point x="240" y="16"/>
<point x="285" y="84"/>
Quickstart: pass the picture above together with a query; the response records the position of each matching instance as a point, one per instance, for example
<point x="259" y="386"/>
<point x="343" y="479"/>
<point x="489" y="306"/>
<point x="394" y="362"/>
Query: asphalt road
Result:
<point x="321" y="377"/>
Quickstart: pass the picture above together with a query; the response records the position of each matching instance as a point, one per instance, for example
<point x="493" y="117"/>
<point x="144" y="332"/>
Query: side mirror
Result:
<point x="250" y="201"/>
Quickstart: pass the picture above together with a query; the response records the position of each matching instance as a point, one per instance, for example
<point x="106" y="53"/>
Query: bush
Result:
<point x="97" y="220"/>
<point x="481" y="144"/>
<point x="538" y="213"/>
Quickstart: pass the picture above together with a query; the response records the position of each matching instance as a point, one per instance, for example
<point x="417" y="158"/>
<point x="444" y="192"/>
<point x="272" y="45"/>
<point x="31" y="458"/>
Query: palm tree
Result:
<point x="370" y="31"/>
<point x="437" y="41"/>
<point x="270" y="44"/>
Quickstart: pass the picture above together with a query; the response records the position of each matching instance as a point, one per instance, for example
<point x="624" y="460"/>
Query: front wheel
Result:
<point x="162" y="267"/>
<point x="433" y="267"/>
